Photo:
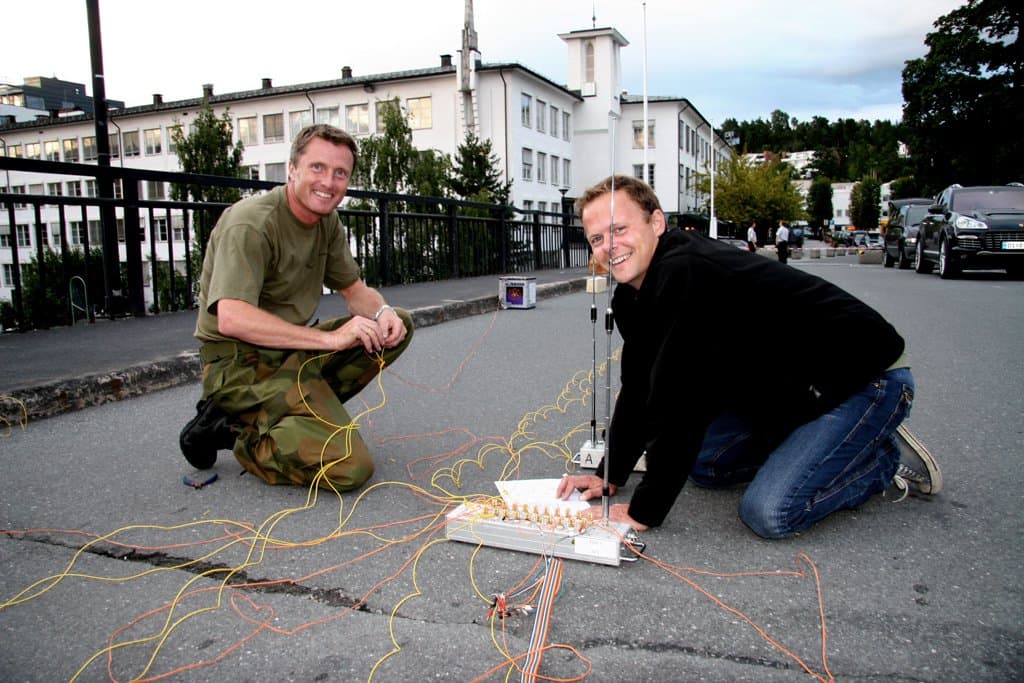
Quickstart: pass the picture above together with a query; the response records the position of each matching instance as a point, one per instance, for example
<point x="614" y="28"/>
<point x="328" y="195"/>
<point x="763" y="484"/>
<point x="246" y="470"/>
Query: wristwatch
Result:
<point x="380" y="311"/>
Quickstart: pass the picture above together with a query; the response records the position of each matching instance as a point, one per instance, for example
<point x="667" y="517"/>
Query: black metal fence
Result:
<point x="149" y="250"/>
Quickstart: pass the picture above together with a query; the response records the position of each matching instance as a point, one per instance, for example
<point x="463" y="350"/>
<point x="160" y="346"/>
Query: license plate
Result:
<point x="1013" y="245"/>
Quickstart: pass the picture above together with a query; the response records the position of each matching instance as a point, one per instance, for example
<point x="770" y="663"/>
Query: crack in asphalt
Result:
<point x="238" y="579"/>
<point x="688" y="650"/>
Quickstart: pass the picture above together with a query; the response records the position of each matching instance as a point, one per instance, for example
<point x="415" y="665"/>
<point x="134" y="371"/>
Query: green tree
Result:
<point x="385" y="158"/>
<point x="819" y="202"/>
<point x="903" y="187"/>
<point x="477" y="172"/>
<point x="206" y="150"/>
<point x="744" y="192"/>
<point x="962" y="110"/>
<point x="389" y="162"/>
<point x="865" y="203"/>
<point x="844" y="149"/>
<point x="164" y="301"/>
<point x="430" y="174"/>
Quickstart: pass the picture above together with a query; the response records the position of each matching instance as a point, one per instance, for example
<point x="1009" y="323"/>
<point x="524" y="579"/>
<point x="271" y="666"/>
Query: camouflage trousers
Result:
<point x="296" y="429"/>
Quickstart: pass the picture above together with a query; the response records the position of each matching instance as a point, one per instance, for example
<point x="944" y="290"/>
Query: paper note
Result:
<point x="539" y="492"/>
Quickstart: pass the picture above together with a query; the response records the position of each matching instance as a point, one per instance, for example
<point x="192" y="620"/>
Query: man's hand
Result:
<point x="589" y="486"/>
<point x="359" y="330"/>
<point x="392" y="329"/>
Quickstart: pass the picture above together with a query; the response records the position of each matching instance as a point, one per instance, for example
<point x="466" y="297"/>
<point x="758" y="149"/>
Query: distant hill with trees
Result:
<point x="845" y="149"/>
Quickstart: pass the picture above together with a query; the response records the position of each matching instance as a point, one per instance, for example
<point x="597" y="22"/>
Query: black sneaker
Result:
<point x="211" y="430"/>
<point x="918" y="471"/>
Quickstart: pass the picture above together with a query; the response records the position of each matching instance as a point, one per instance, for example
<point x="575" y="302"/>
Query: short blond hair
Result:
<point x="639" y="191"/>
<point x="324" y="131"/>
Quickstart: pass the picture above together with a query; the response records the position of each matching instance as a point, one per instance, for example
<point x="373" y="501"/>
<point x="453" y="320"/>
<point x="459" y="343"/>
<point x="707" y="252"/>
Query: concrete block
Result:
<point x="870" y="256"/>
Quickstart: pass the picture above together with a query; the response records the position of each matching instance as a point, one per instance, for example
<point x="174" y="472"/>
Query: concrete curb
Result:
<point x="63" y="396"/>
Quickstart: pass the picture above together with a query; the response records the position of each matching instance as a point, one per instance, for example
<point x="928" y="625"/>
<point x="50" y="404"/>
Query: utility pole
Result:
<point x="467" y="64"/>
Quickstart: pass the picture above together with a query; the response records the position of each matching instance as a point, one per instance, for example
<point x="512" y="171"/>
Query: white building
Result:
<point x="551" y="139"/>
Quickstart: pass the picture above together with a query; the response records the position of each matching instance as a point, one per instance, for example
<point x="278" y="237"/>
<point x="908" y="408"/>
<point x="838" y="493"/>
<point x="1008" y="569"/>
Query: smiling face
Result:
<point x="628" y="246"/>
<point x="318" y="179"/>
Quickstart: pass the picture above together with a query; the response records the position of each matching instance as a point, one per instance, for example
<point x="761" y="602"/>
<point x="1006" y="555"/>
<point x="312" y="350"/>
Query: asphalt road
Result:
<point x="111" y="568"/>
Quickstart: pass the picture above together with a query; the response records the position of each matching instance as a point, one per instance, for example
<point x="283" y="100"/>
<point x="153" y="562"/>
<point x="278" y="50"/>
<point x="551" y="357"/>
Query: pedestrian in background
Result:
<point x="752" y="237"/>
<point x="782" y="242"/>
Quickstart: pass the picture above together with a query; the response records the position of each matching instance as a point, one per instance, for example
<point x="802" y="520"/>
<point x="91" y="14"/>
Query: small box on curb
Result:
<point x="597" y="284"/>
<point x="517" y="292"/>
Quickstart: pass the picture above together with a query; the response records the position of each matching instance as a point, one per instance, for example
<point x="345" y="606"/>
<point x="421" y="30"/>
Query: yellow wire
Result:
<point x="21" y="423"/>
<point x="258" y="538"/>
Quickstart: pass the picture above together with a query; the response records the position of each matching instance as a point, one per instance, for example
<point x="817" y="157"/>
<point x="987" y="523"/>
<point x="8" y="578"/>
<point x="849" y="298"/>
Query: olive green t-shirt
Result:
<point x="260" y="253"/>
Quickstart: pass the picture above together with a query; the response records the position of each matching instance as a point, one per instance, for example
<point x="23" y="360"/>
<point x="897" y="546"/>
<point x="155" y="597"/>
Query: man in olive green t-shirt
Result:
<point x="273" y="386"/>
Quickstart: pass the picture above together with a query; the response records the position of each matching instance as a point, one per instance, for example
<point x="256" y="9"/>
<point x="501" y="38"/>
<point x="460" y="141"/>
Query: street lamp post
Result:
<point x="713" y="222"/>
<point x="565" y="228"/>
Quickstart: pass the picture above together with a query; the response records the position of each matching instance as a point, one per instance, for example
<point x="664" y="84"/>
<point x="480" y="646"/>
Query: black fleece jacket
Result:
<point x="703" y="310"/>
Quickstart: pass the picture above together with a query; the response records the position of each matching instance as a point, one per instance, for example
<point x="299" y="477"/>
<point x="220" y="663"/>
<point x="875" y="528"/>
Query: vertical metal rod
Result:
<point x="609" y="325"/>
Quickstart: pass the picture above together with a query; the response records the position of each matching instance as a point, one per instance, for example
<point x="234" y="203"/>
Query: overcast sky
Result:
<point x="730" y="58"/>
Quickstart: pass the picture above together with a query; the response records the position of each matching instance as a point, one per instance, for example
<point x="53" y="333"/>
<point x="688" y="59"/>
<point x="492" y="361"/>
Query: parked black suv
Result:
<point x="905" y="216"/>
<point x="974" y="227"/>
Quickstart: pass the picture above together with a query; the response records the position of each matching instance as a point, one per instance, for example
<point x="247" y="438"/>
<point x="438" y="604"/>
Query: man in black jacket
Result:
<point x="809" y="438"/>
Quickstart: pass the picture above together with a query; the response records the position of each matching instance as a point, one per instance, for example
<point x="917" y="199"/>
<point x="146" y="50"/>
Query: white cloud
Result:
<point x="739" y="58"/>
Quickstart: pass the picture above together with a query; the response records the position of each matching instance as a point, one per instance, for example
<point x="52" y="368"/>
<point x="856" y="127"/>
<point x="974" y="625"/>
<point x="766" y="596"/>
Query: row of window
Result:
<point x="150" y="141"/>
<point x="541" y="206"/>
<point x="691" y="143"/>
<point x="76" y="232"/>
<point x="556" y="164"/>
<point x="560" y="121"/>
<point x="155" y="190"/>
<point x="418" y="113"/>
<point x="74" y="151"/>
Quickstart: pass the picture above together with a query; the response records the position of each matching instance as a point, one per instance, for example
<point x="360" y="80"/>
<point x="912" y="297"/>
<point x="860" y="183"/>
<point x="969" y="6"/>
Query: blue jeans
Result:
<point x="833" y="462"/>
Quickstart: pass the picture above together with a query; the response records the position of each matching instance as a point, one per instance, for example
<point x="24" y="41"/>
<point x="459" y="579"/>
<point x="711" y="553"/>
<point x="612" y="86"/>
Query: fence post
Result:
<point x="86" y="259"/>
<point x="133" y="249"/>
<point x="154" y="267"/>
<point x="385" y="242"/>
<point x="19" y="304"/>
<point x="566" y="228"/>
<point x="503" y="214"/>
<point x="39" y="296"/>
<point x="453" y="242"/>
<point x="65" y="275"/>
<point x="538" y="248"/>
<point x="171" y="289"/>
<point x="190" y="276"/>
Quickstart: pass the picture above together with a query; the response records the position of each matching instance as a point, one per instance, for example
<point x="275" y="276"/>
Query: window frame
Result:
<point x="131" y="144"/>
<point x="71" y="151"/>
<point x="153" y="141"/>
<point x="278" y="130"/>
<point x="412" y="107"/>
<point x="638" y="134"/>
<point x="248" y="130"/>
<point x="526" y="109"/>
<point x="361" y="123"/>
<point x="304" y="118"/>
